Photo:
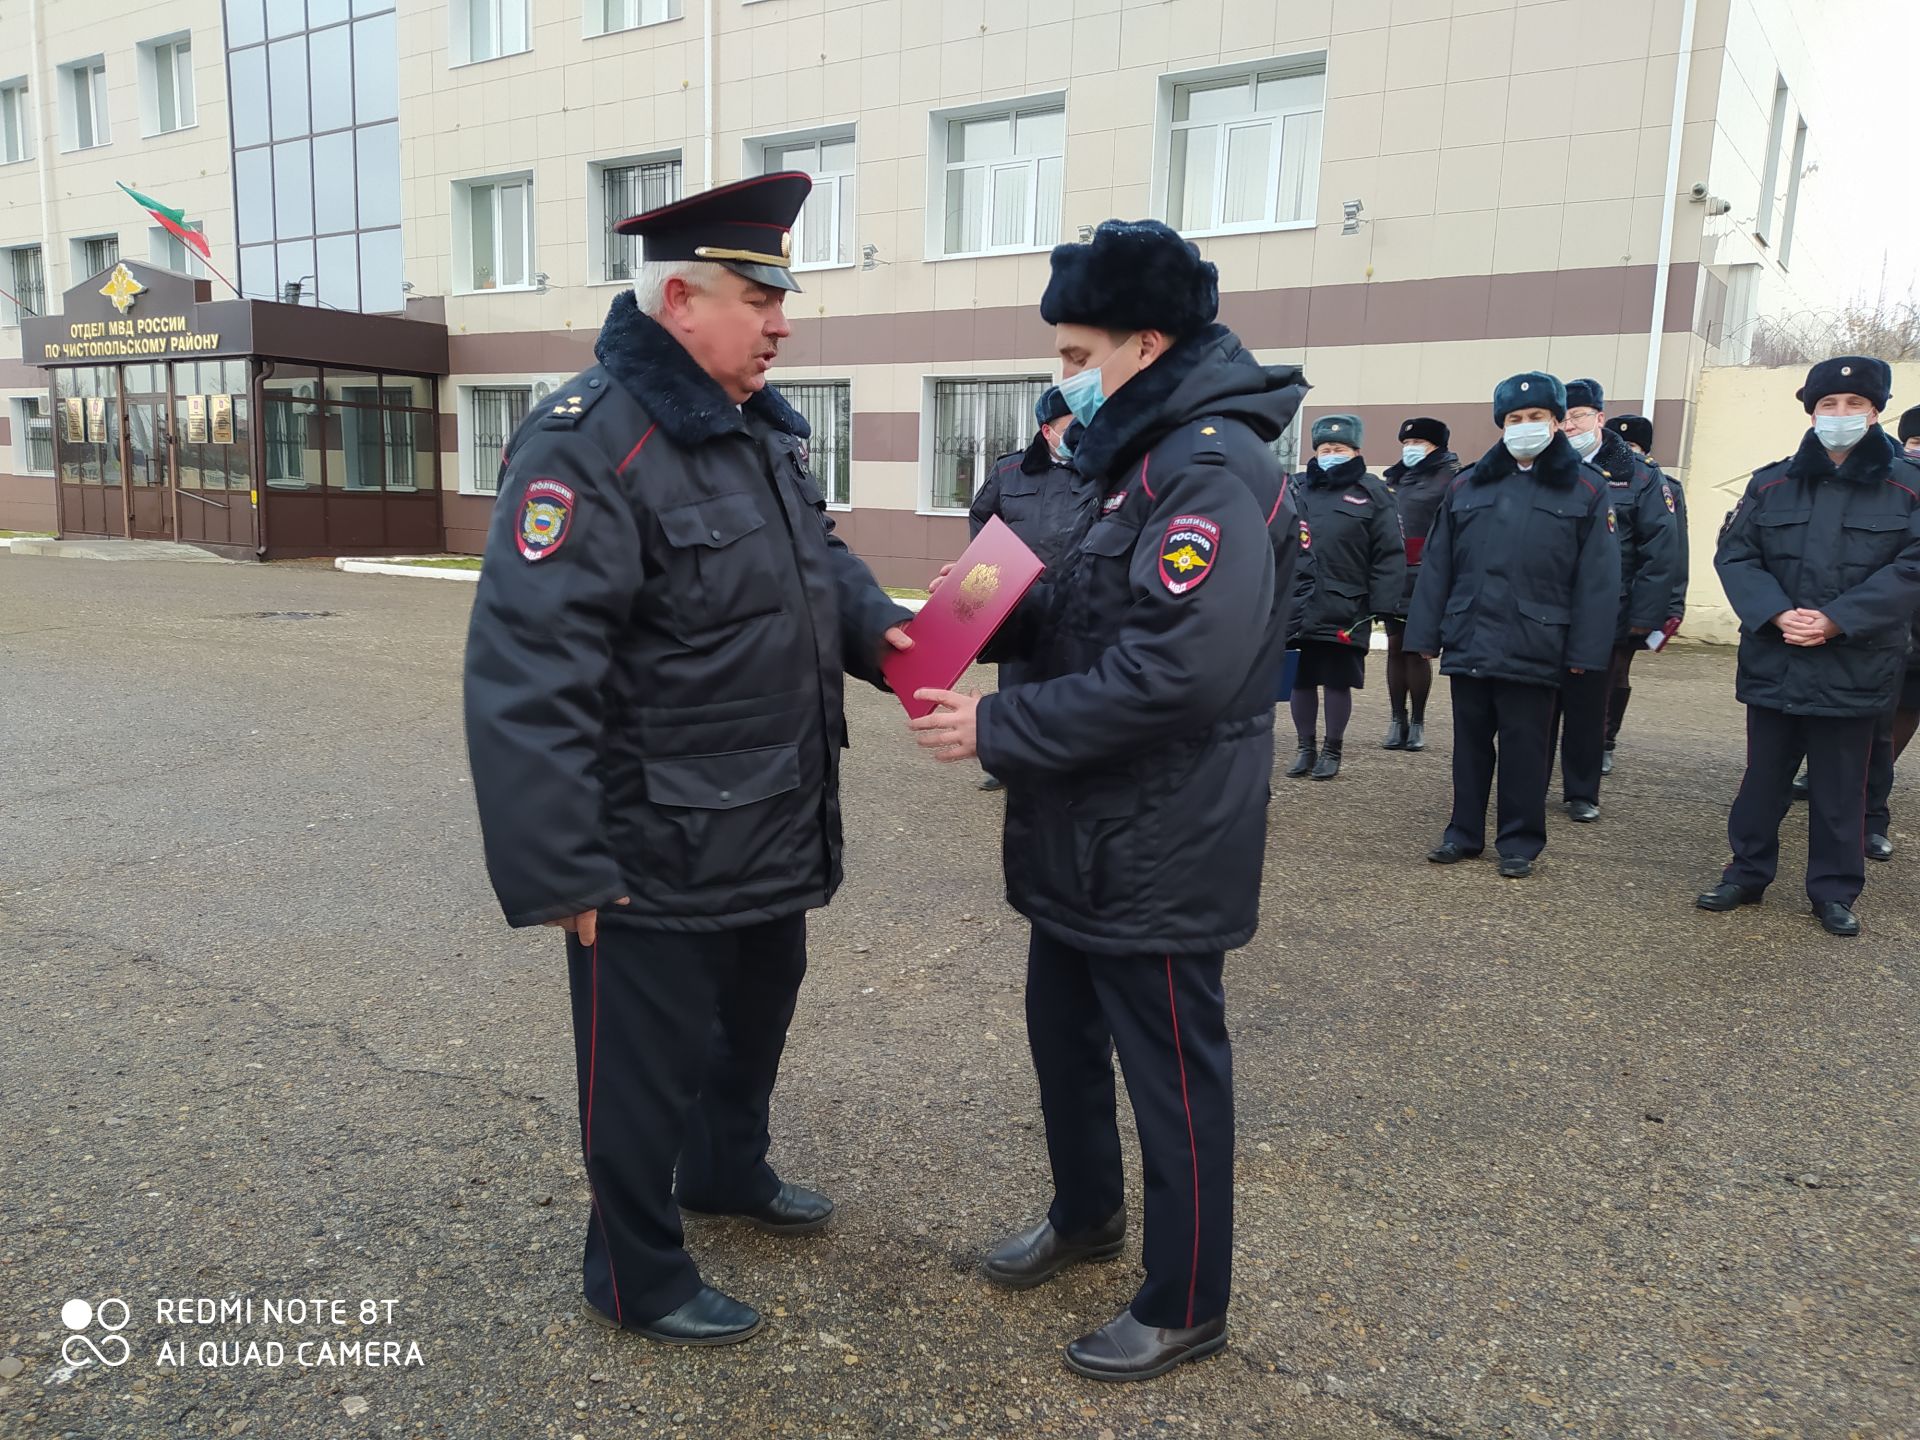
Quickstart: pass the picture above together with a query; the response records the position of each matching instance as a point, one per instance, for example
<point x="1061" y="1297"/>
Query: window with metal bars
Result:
<point x="974" y="423"/>
<point x="494" y="413"/>
<point x="36" y="427"/>
<point x="828" y="406"/>
<point x="100" y="253"/>
<point x="29" y="283"/>
<point x="1286" y="449"/>
<point x="627" y="190"/>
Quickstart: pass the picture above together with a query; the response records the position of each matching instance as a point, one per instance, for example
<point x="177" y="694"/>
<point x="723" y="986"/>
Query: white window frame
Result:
<point x="99" y="121"/>
<point x="788" y="385"/>
<point x="23" y="439"/>
<point x="1287" y="66"/>
<point x="17" y="119"/>
<point x="930" y="437"/>
<point x="463" y="255"/>
<point x="597" y="236"/>
<point x="511" y="21"/>
<point x="938" y="168"/>
<point x="466" y="428"/>
<point x="599" y="16"/>
<point x="171" y="56"/>
<point x="82" y="270"/>
<point x="1792" y="216"/>
<point x="1770" y="170"/>
<point x="9" y="311"/>
<point x="164" y="247"/>
<point x="837" y="183"/>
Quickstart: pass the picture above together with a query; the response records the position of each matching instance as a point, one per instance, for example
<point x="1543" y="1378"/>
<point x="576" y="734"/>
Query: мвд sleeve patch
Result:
<point x="546" y="514"/>
<point x="1188" y="553"/>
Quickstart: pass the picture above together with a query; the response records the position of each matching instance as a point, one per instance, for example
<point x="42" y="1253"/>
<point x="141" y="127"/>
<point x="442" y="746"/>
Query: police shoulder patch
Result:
<point x="1306" y="535"/>
<point x="1666" y="493"/>
<point x="1612" y="525"/>
<point x="546" y="515"/>
<point x="1188" y="552"/>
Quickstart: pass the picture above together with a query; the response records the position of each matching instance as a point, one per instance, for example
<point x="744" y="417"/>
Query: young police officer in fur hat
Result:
<point x="1038" y="495"/>
<point x="1644" y="513"/>
<point x="1637" y="431"/>
<point x="1418" y="482"/>
<point x="1352" y="567"/>
<point x="1137" y="761"/>
<point x="1519" y="584"/>
<point x="1821" y="561"/>
<point x="653" y="714"/>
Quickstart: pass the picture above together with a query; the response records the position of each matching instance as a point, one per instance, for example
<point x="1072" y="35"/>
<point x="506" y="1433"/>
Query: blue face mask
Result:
<point x="1412" y="455"/>
<point x="1331" y="462"/>
<point x="1841" y="432"/>
<point x="1084" y="394"/>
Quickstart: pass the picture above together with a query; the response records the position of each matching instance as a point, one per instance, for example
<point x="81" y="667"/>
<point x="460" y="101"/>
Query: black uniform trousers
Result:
<point x="1836" y="752"/>
<point x="677" y="1040"/>
<point x="1619" y="686"/>
<point x="1518" y="720"/>
<point x="1880" y="778"/>
<point x="1167" y="1016"/>
<point x="1579" y="732"/>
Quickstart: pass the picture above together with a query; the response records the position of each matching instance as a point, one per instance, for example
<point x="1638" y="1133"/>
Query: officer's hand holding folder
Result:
<point x="980" y="591"/>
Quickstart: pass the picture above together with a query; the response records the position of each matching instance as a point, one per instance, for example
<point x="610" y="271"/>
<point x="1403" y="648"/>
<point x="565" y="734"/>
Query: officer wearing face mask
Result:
<point x="1645" y="520"/>
<point x="1418" y="483"/>
<point x="1038" y="495"/>
<point x="1637" y="431"/>
<point x="1519" y="582"/>
<point x="1821" y="560"/>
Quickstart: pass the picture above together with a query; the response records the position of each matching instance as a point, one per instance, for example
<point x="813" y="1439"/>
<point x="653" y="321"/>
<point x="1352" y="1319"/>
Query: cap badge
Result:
<point x="1526" y="384"/>
<point x="1846" y="369"/>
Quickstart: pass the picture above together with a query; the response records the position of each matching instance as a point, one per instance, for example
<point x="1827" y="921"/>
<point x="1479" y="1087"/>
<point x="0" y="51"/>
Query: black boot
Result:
<point x="1417" y="736"/>
<point x="1396" y="734"/>
<point x="1329" y="765"/>
<point x="1303" y="763"/>
<point x="1606" y="761"/>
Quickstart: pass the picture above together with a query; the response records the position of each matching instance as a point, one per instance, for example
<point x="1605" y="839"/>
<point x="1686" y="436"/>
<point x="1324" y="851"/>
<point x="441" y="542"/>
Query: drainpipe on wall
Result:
<point x="1683" y="72"/>
<point x="40" y="156"/>
<point x="706" y="100"/>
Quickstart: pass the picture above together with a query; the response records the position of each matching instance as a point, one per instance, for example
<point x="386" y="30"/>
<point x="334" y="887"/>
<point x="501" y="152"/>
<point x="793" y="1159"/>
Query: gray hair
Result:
<point x="650" y="281"/>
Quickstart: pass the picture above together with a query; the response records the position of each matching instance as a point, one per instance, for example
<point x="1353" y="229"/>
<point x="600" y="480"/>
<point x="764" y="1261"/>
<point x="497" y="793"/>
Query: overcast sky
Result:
<point x="1871" y="154"/>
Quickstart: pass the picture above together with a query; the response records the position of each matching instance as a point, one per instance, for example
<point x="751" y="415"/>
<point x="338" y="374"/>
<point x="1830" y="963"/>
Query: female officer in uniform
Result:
<point x="1353" y="567"/>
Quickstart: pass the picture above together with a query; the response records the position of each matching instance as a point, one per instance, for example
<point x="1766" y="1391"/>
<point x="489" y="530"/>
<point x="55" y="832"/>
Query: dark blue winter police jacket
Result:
<point x="1137" y="760"/>
<point x="1520" y="579"/>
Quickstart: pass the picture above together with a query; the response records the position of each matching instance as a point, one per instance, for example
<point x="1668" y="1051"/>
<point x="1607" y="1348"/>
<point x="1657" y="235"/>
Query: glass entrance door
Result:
<point x="149" y="455"/>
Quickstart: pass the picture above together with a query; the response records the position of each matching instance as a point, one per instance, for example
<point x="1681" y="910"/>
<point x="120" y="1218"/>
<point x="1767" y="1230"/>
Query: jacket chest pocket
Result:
<point x="1782" y="534"/>
<point x="1020" y="502"/>
<point x="1868" y="542"/>
<point x="1098" y="584"/>
<point x="1553" y="533"/>
<point x="720" y="568"/>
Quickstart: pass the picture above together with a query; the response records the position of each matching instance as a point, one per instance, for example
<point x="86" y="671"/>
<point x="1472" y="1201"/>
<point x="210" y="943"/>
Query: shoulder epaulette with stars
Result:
<point x="566" y="407"/>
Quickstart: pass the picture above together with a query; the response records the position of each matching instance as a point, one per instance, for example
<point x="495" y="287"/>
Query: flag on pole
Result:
<point x="172" y="220"/>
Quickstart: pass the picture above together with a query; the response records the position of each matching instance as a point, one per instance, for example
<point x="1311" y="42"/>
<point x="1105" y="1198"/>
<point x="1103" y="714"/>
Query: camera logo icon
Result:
<point x="80" y="1349"/>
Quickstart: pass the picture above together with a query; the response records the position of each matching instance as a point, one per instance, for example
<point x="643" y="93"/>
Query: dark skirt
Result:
<point x="1331" y="664"/>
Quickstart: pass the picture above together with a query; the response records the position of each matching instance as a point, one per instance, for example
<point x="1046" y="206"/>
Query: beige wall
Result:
<point x="1745" y="417"/>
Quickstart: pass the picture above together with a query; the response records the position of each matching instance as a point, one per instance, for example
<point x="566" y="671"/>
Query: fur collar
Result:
<point x="1868" y="460"/>
<point x="1558" y="464"/>
<point x="1438" y="465"/>
<point x="677" y="394"/>
<point x="1616" y="457"/>
<point x="1350" y="472"/>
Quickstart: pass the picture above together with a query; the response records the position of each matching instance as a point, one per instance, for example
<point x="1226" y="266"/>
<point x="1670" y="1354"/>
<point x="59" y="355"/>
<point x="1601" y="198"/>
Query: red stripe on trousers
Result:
<point x="593" y="1051"/>
<point x="1193" y="1149"/>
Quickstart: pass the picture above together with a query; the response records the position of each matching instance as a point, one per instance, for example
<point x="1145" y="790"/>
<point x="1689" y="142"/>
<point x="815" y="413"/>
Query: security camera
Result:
<point x="1699" y="191"/>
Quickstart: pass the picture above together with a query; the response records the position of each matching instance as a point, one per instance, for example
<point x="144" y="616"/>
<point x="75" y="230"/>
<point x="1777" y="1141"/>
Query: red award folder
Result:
<point x="1415" y="544"/>
<point x="954" y="626"/>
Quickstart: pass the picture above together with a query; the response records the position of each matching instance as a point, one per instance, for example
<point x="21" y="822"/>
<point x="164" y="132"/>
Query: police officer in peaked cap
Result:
<point x="654" y="720"/>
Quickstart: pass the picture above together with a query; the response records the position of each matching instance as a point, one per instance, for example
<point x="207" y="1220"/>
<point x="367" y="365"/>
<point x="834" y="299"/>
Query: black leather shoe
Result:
<point x="1512" y="867"/>
<point x="1124" y="1349"/>
<point x="1836" y="919"/>
<point x="1416" y="736"/>
<point x="1729" y="896"/>
<point x="709" y="1318"/>
<point x="1449" y="853"/>
<point x="1303" y="763"/>
<point x="1879" y="847"/>
<point x="1396" y="735"/>
<point x="1035" y="1256"/>
<point x="1329" y="763"/>
<point x="793" y="1210"/>
<point x="1582" y="812"/>
<point x="993" y="782"/>
<point x="1606" y="761"/>
<point x="1802" y="786"/>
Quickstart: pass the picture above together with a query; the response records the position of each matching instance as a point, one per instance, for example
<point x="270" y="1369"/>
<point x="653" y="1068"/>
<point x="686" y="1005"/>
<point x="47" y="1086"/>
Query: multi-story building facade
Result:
<point x="1412" y="198"/>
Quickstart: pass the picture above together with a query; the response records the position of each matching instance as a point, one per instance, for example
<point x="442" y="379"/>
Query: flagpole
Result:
<point x="18" y="305"/>
<point x="223" y="279"/>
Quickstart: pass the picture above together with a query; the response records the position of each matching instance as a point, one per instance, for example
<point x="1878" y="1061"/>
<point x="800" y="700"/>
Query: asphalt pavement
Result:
<point x="1561" y="1157"/>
